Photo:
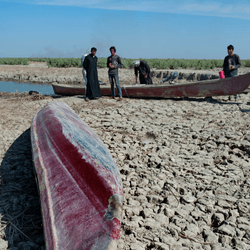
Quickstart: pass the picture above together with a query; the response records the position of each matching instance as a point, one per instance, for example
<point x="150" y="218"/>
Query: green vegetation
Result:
<point x="127" y="63"/>
<point x="63" y="62"/>
<point x="14" y="61"/>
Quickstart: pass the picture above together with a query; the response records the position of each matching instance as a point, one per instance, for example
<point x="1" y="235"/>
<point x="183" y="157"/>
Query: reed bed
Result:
<point x="127" y="63"/>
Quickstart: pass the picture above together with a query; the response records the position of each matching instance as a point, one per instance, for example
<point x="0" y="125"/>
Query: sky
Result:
<point x="188" y="29"/>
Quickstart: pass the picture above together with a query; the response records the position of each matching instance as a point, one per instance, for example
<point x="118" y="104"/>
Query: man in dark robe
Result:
<point x="90" y="65"/>
<point x="144" y="72"/>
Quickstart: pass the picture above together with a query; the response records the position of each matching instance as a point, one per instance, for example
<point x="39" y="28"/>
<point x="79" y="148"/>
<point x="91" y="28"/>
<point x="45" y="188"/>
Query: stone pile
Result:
<point x="185" y="167"/>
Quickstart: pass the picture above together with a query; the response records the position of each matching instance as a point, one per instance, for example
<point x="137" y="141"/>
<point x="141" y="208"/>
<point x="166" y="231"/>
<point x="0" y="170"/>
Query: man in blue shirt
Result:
<point x="113" y="63"/>
<point x="231" y="64"/>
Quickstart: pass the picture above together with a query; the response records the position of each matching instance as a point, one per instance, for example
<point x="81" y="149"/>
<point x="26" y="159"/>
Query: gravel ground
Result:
<point x="184" y="165"/>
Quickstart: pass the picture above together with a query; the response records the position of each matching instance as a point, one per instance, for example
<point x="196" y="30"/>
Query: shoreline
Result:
<point x="44" y="75"/>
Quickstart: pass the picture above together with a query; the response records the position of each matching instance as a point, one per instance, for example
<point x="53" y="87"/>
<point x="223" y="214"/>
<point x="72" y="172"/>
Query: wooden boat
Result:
<point x="79" y="182"/>
<point x="218" y="87"/>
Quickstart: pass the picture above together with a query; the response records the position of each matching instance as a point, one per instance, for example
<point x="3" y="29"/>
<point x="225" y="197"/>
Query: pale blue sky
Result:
<point x="188" y="29"/>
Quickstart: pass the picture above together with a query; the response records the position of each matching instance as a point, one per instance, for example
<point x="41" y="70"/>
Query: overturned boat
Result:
<point x="79" y="182"/>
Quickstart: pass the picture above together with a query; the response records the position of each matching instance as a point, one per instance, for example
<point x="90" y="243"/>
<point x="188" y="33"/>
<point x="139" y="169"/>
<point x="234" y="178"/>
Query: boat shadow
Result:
<point x="245" y="110"/>
<point x="203" y="99"/>
<point x="191" y="99"/>
<point x="19" y="198"/>
<point x="66" y="96"/>
<point x="212" y="100"/>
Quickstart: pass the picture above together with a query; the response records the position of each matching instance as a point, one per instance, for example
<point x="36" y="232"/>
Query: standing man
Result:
<point x="113" y="63"/>
<point x="231" y="64"/>
<point x="144" y="72"/>
<point x="90" y="65"/>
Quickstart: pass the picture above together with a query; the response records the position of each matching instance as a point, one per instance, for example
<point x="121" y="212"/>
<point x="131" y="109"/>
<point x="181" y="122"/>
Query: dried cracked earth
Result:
<point x="185" y="167"/>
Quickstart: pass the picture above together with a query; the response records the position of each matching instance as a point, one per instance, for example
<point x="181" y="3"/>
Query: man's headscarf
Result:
<point x="136" y="63"/>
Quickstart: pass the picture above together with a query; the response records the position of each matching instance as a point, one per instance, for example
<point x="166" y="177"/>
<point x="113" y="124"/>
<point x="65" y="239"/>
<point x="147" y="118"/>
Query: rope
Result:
<point x="126" y="91"/>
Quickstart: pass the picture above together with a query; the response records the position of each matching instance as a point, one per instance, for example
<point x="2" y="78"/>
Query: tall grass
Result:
<point x="127" y="63"/>
<point x="14" y="61"/>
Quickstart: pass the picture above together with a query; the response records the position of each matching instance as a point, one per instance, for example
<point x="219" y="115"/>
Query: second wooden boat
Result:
<point x="226" y="86"/>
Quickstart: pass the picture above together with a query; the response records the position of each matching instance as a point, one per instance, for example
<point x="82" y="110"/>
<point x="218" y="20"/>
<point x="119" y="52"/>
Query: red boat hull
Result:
<point x="79" y="183"/>
<point x="226" y="86"/>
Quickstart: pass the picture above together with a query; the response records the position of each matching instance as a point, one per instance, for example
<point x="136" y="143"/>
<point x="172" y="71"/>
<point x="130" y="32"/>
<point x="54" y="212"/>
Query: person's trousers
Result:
<point x="114" y="80"/>
<point x="235" y="96"/>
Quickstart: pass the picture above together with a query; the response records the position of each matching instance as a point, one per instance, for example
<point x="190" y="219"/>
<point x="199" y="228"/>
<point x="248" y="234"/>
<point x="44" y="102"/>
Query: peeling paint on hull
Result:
<point x="226" y="86"/>
<point x="79" y="182"/>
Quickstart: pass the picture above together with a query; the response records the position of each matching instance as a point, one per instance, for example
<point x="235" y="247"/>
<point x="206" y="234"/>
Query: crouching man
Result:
<point x="144" y="72"/>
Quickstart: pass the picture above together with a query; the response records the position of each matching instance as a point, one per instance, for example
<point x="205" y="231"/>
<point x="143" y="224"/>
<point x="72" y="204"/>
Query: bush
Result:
<point x="183" y="63"/>
<point x="102" y="62"/>
<point x="14" y="61"/>
<point x="127" y="63"/>
<point x="158" y="63"/>
<point x="198" y="65"/>
<point x="247" y="63"/>
<point x="219" y="63"/>
<point x="173" y="64"/>
<point x="205" y="64"/>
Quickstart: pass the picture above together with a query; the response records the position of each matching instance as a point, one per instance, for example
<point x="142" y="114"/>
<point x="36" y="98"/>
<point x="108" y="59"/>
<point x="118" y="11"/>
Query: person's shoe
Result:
<point x="87" y="99"/>
<point x="229" y="98"/>
<point x="112" y="97"/>
<point x="208" y="98"/>
<point x="120" y="99"/>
